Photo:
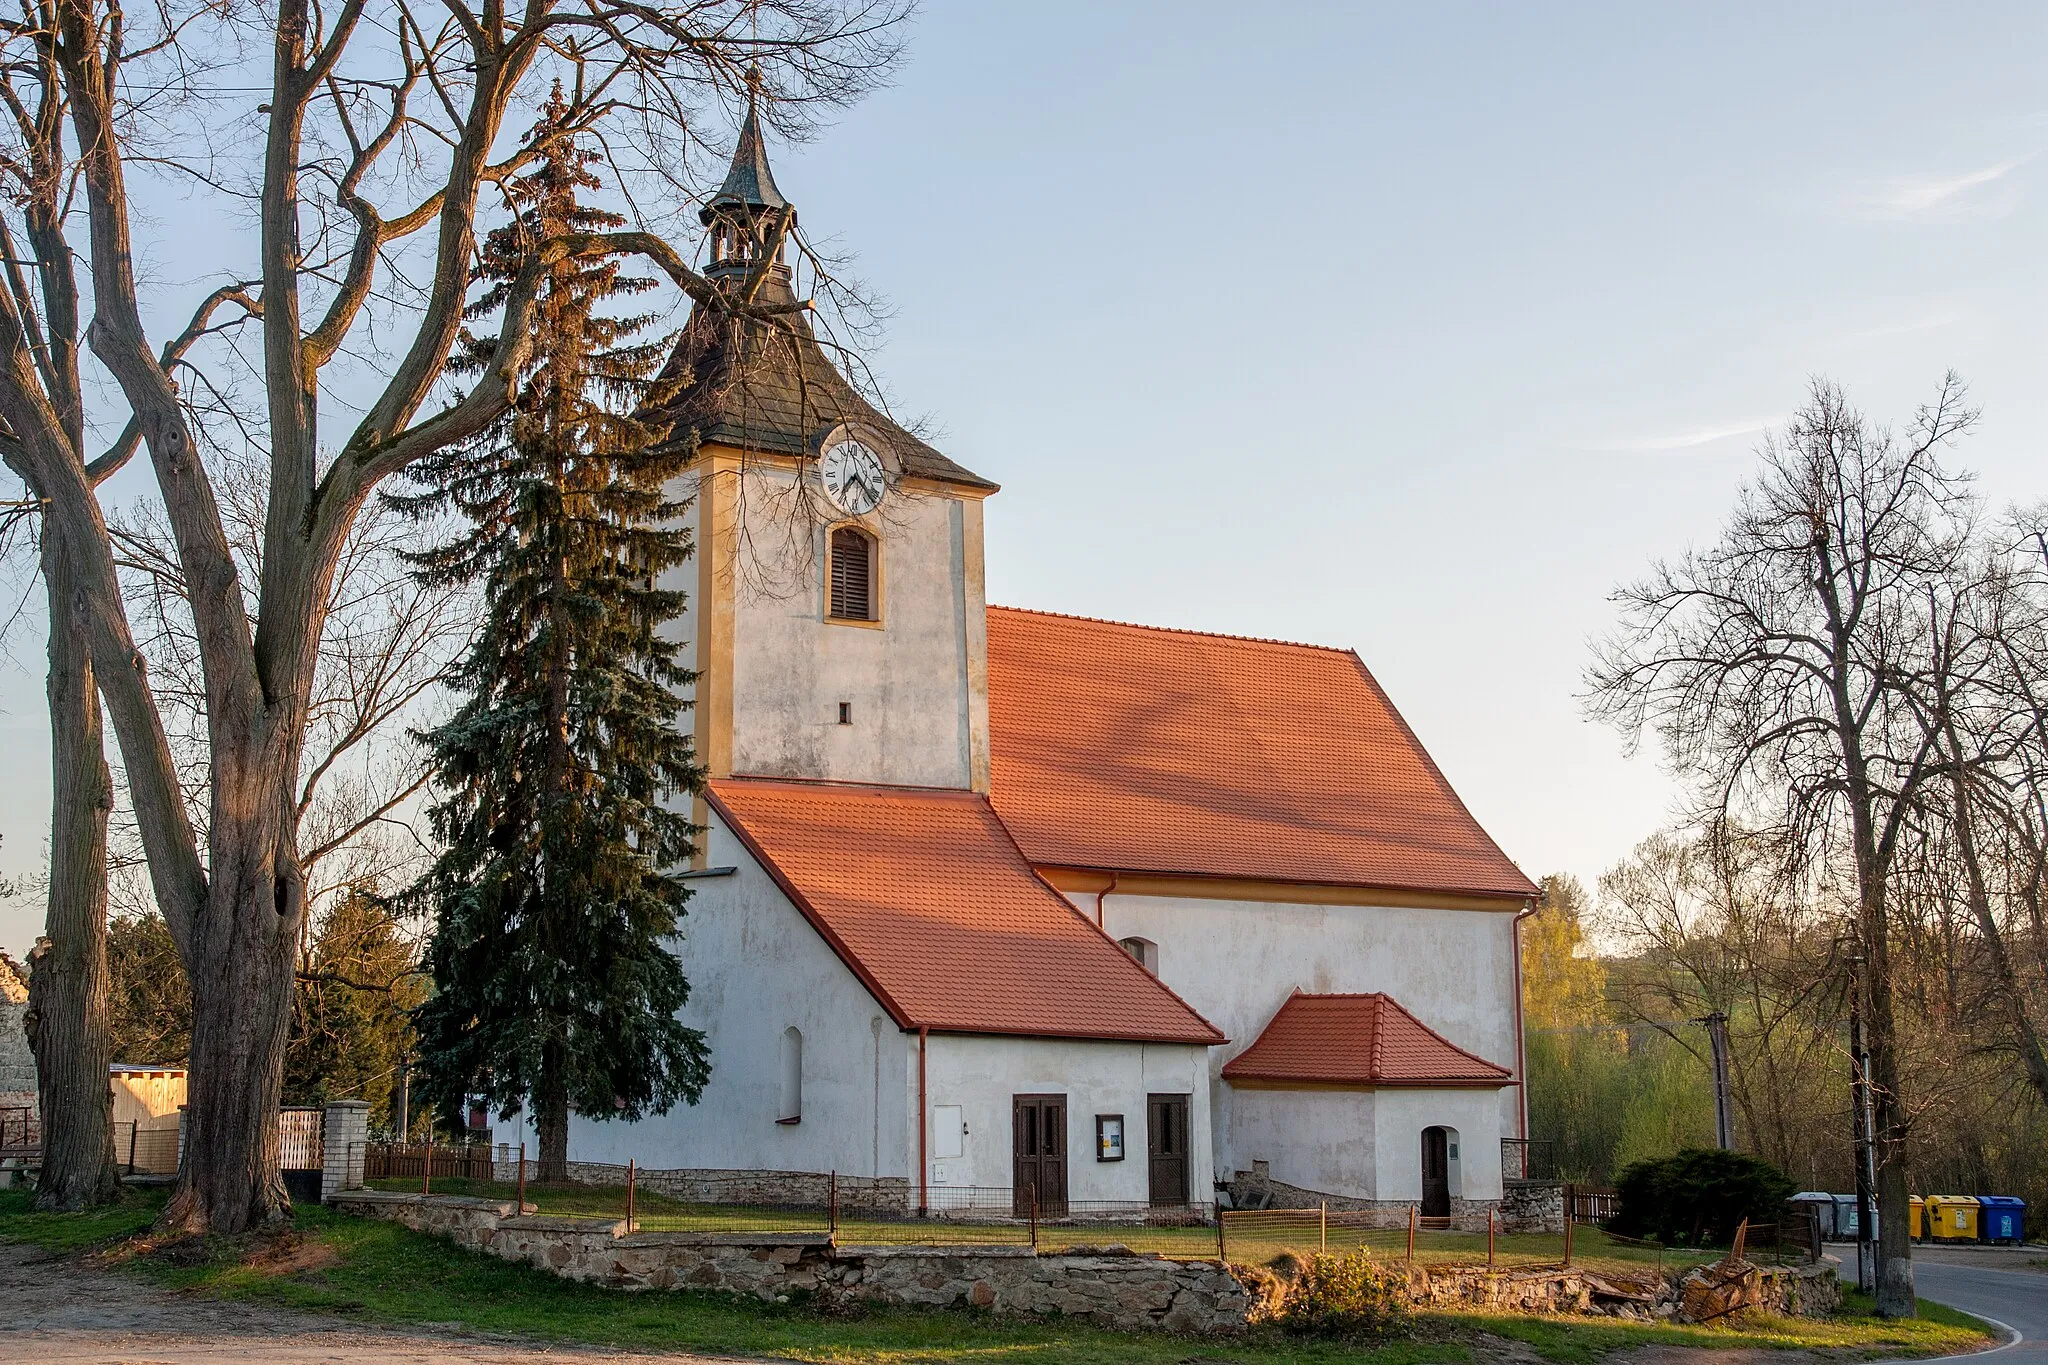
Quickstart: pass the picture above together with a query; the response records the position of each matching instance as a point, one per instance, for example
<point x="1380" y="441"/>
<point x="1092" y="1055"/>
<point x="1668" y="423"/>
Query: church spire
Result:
<point x="748" y="207"/>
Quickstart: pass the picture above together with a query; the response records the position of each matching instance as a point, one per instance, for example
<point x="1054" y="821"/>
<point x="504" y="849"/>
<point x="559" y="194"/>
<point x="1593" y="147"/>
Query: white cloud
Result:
<point x="1683" y="440"/>
<point x="1938" y="195"/>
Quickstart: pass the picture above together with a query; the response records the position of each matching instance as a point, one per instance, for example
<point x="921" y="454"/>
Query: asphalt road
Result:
<point x="2017" y="1298"/>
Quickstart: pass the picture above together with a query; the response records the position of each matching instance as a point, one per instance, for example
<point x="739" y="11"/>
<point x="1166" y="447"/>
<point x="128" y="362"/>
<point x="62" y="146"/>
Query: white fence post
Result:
<point x="344" y="1131"/>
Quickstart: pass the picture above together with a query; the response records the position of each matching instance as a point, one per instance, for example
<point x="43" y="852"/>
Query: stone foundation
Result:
<point x="1108" y="1288"/>
<point x="796" y="1189"/>
<point x="1256" y="1189"/>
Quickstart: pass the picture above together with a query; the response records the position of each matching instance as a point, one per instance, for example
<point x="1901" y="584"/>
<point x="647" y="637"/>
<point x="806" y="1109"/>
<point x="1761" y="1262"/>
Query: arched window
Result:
<point x="852" y="575"/>
<point x="1144" y="951"/>
<point x="792" y="1076"/>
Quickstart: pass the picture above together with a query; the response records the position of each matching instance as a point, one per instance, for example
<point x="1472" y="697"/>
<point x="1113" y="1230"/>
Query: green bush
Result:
<point x="1698" y="1196"/>
<point x="1345" y="1296"/>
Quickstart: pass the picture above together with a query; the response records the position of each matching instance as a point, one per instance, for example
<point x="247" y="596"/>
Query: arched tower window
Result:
<point x="792" y="1076"/>
<point x="1144" y="951"/>
<point x="852" y="574"/>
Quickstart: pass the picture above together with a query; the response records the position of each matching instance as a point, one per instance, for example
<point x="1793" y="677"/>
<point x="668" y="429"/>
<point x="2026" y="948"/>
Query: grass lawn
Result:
<point x="379" y="1272"/>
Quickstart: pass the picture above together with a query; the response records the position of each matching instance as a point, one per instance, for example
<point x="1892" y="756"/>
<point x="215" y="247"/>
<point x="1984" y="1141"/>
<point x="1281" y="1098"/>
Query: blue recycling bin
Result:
<point x="2004" y="1218"/>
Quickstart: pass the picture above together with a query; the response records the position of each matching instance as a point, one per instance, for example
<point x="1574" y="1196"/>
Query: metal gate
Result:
<point x="299" y="1152"/>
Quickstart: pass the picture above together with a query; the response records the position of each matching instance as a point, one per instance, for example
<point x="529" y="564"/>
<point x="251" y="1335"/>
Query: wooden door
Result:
<point x="1038" y="1143"/>
<point x="1166" y="1149"/>
<point x="1436" y="1173"/>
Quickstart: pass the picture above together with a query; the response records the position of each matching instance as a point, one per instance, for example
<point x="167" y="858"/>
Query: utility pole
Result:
<point x="1859" y="1101"/>
<point x="404" y="1115"/>
<point x="1724" y="1100"/>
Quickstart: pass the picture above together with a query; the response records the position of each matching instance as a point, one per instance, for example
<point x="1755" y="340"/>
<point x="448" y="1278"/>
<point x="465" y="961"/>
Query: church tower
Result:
<point x="837" y="609"/>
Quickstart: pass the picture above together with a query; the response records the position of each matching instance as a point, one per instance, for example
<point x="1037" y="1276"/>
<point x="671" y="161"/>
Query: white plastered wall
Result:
<point x="1400" y="1117"/>
<point x="1323" y="1140"/>
<point x="756" y="969"/>
<point x="915" y="683"/>
<point x="979" y="1075"/>
<point x="1235" y="962"/>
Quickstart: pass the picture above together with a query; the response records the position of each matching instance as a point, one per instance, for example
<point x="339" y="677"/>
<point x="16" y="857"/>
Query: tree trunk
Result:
<point x="67" y="1014"/>
<point x="551" y="1115"/>
<point x="1895" y="1289"/>
<point x="242" y="963"/>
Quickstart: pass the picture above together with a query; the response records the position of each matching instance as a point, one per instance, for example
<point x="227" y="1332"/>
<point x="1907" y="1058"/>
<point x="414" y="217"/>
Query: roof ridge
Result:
<point x="1179" y="630"/>
<point x="845" y="784"/>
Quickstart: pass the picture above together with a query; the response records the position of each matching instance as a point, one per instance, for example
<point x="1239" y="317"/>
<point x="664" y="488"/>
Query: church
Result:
<point x="997" y="907"/>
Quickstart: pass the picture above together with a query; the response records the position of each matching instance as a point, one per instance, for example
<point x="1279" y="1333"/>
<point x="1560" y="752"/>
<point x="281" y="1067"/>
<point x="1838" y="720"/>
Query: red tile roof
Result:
<point x="1356" y="1040"/>
<point x="925" y="897"/>
<point x="1135" y="749"/>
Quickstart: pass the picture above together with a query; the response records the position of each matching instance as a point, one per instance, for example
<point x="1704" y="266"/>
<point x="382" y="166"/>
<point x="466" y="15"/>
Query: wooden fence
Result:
<point x="409" y="1160"/>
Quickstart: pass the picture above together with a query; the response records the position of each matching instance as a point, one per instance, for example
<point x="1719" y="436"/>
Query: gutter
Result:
<point x="924" y="1165"/>
<point x="1521" y="1045"/>
<point x="1113" y="878"/>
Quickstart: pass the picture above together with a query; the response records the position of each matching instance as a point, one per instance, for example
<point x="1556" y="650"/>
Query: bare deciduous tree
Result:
<point x="1775" y="666"/>
<point x="381" y="132"/>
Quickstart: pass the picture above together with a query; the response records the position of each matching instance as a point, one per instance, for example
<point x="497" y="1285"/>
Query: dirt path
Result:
<point x="58" y="1310"/>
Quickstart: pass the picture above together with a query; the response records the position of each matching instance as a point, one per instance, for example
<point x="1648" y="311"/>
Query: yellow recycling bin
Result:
<point x="1952" y="1218"/>
<point x="1918" y="1222"/>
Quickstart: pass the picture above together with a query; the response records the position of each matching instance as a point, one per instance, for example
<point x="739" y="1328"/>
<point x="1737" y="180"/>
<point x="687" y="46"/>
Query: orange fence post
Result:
<point x="629" y="1195"/>
<point x="522" y="1176"/>
<point x="427" y="1169"/>
<point x="1411" y="1234"/>
<point x="1034" y="1217"/>
<point x="1323" y="1224"/>
<point x="1222" y="1247"/>
<point x="1489" y="1239"/>
<point x="832" y="1207"/>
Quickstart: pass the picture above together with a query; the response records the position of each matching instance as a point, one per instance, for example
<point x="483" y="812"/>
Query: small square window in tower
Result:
<point x="852" y="575"/>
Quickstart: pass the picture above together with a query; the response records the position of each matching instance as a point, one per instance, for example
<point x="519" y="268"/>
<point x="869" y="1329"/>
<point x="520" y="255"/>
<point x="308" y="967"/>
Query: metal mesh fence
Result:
<point x="863" y="1212"/>
<point x="146" y="1150"/>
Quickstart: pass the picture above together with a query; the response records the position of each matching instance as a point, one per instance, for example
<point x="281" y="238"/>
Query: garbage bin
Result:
<point x="1952" y="1217"/>
<point x="1845" y="1218"/>
<point x="1916" y="1207"/>
<point x="1820" y="1207"/>
<point x="2004" y="1218"/>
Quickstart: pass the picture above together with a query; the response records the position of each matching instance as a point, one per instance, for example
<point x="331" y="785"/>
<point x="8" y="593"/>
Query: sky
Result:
<point x="1409" y="329"/>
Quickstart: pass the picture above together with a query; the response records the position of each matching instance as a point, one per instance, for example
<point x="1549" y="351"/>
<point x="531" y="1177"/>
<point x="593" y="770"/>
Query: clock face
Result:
<point x="852" y="475"/>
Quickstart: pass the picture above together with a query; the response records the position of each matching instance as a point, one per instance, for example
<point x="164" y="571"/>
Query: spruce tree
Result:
<point x="555" y="901"/>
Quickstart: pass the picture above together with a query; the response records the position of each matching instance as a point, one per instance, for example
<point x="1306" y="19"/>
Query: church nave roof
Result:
<point x="1138" y="749"/>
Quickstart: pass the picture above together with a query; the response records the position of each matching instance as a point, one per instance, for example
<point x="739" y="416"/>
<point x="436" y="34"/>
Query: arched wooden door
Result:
<point x="1436" y="1173"/>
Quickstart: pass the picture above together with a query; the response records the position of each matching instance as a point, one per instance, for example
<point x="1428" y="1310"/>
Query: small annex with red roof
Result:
<point x="1004" y="906"/>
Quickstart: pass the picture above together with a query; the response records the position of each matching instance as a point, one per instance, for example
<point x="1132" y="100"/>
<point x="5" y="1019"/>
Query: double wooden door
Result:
<point x="1038" y="1146"/>
<point x="1166" y="1149"/>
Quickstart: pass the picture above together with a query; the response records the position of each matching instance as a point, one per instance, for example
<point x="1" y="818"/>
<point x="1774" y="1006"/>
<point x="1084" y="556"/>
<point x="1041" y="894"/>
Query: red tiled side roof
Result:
<point x="1136" y="749"/>
<point x="925" y="897"/>
<point x="1356" y="1040"/>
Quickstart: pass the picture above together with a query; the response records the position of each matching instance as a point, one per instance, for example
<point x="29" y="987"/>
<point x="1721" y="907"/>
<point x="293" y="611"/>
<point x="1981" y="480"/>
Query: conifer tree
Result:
<point x="555" y="901"/>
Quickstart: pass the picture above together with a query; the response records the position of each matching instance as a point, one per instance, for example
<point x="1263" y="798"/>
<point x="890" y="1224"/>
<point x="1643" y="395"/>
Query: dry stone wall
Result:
<point x="1109" y="1287"/>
